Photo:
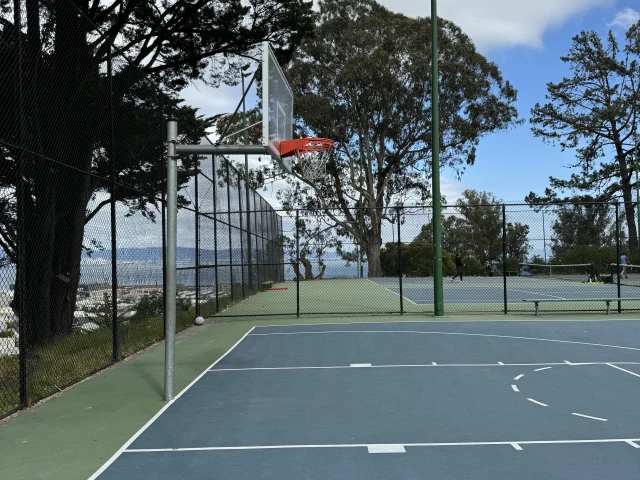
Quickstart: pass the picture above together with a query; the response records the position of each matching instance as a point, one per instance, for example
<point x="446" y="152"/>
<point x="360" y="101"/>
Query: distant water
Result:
<point x="147" y="273"/>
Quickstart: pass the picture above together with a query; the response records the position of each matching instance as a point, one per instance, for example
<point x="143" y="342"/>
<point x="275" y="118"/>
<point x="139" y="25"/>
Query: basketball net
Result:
<point x="312" y="154"/>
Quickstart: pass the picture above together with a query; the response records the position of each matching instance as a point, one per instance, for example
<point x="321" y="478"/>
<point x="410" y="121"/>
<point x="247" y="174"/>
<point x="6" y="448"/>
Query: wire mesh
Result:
<point x="82" y="221"/>
<point x="82" y="184"/>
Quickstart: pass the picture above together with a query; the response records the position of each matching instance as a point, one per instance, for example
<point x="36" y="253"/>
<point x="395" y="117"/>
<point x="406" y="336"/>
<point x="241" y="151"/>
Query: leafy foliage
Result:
<point x="474" y="232"/>
<point x="580" y="225"/>
<point x="364" y="80"/>
<point x="595" y="112"/>
<point x="473" y="228"/>
<point x="88" y="104"/>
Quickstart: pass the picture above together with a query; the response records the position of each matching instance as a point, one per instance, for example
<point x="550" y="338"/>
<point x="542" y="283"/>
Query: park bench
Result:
<point x="268" y="284"/>
<point x="537" y="301"/>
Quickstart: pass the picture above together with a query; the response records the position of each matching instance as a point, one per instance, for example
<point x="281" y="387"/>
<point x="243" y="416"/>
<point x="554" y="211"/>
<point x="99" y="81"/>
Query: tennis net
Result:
<point x="573" y="272"/>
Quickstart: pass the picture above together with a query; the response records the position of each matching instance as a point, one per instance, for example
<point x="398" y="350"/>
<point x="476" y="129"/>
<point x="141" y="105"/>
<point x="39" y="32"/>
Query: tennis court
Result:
<point x="404" y="400"/>
<point x="473" y="295"/>
<point x="493" y="290"/>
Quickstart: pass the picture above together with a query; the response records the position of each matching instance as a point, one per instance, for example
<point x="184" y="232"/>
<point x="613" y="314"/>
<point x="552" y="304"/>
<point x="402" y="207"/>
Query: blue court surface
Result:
<point x="479" y="290"/>
<point x="405" y="400"/>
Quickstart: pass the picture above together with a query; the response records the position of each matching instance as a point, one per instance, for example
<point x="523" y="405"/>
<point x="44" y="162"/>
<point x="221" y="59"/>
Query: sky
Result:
<point x="526" y="39"/>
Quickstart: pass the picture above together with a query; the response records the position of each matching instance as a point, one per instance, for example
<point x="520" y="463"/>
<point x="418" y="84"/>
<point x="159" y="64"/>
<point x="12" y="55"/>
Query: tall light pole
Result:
<point x="636" y="158"/>
<point x="438" y="289"/>
<point x="243" y="75"/>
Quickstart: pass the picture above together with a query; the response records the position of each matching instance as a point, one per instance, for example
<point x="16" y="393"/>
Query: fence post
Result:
<point x="115" y="353"/>
<point x="163" y="215"/>
<point x="504" y="255"/>
<point x="229" y="223"/>
<point x="297" y="271"/>
<point x="215" y="229"/>
<point x="255" y="235"/>
<point x="400" y="263"/>
<point x="20" y="282"/>
<point x="242" y="260"/>
<point x="281" y="248"/>
<point x="249" y="249"/>
<point x="263" y="223"/>
<point x="618" y="253"/>
<point x="197" y="232"/>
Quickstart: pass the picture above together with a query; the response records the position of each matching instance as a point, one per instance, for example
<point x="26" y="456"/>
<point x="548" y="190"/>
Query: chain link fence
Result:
<point x="82" y="223"/>
<point x="512" y="258"/>
<point x="82" y="218"/>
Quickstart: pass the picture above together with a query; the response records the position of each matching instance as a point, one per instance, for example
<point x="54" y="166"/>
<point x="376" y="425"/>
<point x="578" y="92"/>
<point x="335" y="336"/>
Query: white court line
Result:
<point x="536" y="293"/>
<point x="516" y="446"/>
<point x="421" y="332"/>
<point x="540" y="369"/>
<point x="500" y="363"/>
<point x="515" y="388"/>
<point x="360" y="365"/>
<point x="567" y="362"/>
<point x="433" y="364"/>
<point x="369" y="445"/>
<point x="537" y="402"/>
<point x="587" y="416"/>
<point x="386" y="449"/>
<point x="162" y="410"/>
<point x="397" y="293"/>
<point x="519" y="376"/>
<point x="628" y="371"/>
<point x="436" y="322"/>
<point x="632" y="443"/>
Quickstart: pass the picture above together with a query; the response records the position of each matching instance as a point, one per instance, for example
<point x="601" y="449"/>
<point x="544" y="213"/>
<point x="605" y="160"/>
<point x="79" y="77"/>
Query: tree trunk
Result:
<point x="308" y="267"/>
<point x="373" y="260"/>
<point x="296" y="269"/>
<point x="36" y="269"/>
<point x="373" y="244"/>
<point x="65" y="130"/>
<point x="630" y="214"/>
<point x="66" y="263"/>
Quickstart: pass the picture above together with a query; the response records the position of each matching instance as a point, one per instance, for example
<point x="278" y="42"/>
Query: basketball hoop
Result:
<point x="312" y="155"/>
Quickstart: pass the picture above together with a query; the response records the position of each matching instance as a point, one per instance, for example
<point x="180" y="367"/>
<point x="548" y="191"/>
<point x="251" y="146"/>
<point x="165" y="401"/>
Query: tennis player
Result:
<point x="623" y="262"/>
<point x="458" y="268"/>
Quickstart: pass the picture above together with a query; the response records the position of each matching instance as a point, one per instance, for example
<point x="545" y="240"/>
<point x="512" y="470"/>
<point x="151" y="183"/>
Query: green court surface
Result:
<point x="71" y="435"/>
<point x="382" y="296"/>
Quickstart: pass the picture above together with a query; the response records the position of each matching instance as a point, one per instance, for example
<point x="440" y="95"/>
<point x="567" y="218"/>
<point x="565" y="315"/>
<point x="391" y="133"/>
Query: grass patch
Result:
<point x="68" y="359"/>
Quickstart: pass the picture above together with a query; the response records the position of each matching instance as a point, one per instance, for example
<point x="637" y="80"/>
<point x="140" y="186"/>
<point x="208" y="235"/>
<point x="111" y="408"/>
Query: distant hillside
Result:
<point x="154" y="255"/>
<point x="185" y="255"/>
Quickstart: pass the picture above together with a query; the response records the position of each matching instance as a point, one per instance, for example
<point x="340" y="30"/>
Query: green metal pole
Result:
<point x="636" y="157"/>
<point x="438" y="293"/>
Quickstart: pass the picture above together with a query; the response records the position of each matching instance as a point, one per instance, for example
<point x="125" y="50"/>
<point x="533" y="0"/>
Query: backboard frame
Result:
<point x="271" y="67"/>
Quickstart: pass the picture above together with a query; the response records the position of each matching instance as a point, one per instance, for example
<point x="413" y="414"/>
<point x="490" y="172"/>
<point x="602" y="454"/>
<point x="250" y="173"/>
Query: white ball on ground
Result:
<point x="199" y="320"/>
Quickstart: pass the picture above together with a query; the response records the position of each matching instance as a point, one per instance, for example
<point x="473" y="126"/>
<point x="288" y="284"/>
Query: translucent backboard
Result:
<point x="277" y="107"/>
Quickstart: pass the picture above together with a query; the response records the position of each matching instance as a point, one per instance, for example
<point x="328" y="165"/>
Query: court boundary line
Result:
<point x="449" y="365"/>
<point x="326" y="332"/>
<point x="367" y="445"/>
<point x="451" y="318"/>
<point x="613" y="364"/>
<point x="124" y="447"/>
<point x="396" y="293"/>
<point x="536" y="293"/>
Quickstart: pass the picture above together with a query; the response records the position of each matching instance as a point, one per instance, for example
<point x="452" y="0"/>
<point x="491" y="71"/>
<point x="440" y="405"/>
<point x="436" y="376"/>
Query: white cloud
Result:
<point x="625" y="18"/>
<point x="451" y="189"/>
<point x="211" y="100"/>
<point x="501" y="23"/>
